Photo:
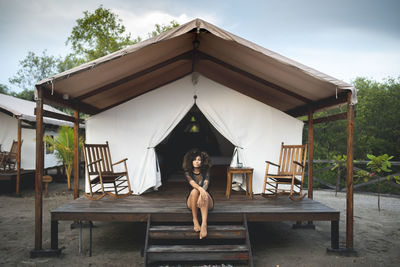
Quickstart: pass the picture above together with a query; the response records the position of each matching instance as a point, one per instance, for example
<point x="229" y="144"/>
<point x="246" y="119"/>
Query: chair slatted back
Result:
<point x="290" y="153"/>
<point x="12" y="155"/>
<point x="93" y="152"/>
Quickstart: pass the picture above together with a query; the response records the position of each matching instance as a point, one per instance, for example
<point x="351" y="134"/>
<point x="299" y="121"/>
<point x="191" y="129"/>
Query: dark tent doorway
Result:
<point x="194" y="131"/>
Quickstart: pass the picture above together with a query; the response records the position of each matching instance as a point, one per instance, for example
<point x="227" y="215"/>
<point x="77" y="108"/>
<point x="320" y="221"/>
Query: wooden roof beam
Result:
<point x="203" y="55"/>
<point x="57" y="99"/>
<point x="324" y="103"/>
<point x="59" y="116"/>
<point x="186" y="55"/>
<point x="340" y="116"/>
<point x="151" y="89"/>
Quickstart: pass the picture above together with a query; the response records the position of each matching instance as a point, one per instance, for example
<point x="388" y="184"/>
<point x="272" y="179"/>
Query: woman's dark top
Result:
<point x="198" y="179"/>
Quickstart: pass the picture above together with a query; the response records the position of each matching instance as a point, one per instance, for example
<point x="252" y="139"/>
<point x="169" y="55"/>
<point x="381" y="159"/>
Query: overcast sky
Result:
<point x="343" y="38"/>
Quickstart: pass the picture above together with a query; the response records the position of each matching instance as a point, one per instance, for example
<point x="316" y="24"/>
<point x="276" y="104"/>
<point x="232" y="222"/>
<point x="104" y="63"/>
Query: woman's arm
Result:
<point x="206" y="181"/>
<point x="192" y="182"/>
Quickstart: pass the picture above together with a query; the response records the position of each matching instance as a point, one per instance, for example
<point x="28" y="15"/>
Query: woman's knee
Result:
<point x="194" y="193"/>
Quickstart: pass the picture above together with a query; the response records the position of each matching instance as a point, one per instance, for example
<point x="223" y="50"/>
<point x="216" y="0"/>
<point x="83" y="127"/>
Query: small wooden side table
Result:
<point x="248" y="173"/>
<point x="47" y="179"/>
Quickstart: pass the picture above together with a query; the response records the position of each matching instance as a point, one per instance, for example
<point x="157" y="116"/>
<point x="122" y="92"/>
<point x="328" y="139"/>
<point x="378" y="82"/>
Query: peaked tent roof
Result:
<point x="25" y="109"/>
<point x="196" y="46"/>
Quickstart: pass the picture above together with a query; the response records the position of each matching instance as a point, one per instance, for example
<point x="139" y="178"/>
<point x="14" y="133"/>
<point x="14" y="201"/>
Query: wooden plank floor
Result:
<point x="169" y="204"/>
<point x="9" y="175"/>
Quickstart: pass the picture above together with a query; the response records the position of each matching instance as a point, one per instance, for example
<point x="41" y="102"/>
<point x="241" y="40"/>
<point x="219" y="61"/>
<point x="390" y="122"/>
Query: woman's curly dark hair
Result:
<point x="191" y="155"/>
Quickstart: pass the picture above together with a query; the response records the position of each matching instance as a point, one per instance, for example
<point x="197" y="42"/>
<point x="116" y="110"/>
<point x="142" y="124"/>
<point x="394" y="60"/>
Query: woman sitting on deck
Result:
<point x="196" y="166"/>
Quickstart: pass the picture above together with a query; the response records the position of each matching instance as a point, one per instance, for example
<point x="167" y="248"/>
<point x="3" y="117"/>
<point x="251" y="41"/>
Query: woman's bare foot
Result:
<point x="203" y="231"/>
<point x="196" y="226"/>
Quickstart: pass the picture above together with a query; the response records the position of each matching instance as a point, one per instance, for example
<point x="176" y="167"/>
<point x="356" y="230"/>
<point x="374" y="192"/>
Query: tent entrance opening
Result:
<point x="193" y="131"/>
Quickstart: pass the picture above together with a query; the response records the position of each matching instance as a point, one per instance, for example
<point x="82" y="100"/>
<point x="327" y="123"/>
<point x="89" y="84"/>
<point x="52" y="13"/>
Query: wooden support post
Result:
<point x="38" y="251"/>
<point x="310" y="152"/>
<point x="54" y="235"/>
<point x="310" y="123"/>
<point x="349" y="186"/>
<point x="18" y="183"/>
<point x="39" y="170"/>
<point x="349" y="250"/>
<point x="334" y="235"/>
<point x="76" y="154"/>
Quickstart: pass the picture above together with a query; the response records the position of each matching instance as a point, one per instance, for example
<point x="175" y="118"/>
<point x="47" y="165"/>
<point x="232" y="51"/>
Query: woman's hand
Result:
<point x="201" y="202"/>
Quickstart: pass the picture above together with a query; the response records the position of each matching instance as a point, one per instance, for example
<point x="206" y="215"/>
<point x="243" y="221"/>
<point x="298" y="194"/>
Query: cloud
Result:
<point x="140" y="24"/>
<point x="346" y="65"/>
<point x="143" y="23"/>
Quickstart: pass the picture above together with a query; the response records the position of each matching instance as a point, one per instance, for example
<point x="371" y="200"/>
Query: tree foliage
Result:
<point x="4" y="89"/>
<point x="95" y="35"/>
<point x="25" y="94"/>
<point x="34" y="68"/>
<point x="98" y="34"/>
<point x="163" y="28"/>
<point x="377" y="123"/>
<point x="64" y="149"/>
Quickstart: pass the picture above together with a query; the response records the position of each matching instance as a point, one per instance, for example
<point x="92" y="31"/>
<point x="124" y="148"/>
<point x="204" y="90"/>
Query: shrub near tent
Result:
<point x="64" y="149"/>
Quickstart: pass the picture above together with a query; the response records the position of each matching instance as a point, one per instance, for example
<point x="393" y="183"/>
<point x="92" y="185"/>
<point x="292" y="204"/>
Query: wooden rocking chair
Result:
<point x="2" y="161"/>
<point x="290" y="173"/>
<point x="10" y="158"/>
<point x="100" y="173"/>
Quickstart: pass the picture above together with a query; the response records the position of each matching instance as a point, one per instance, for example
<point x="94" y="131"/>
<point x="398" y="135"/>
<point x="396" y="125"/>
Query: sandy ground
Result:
<point x="377" y="235"/>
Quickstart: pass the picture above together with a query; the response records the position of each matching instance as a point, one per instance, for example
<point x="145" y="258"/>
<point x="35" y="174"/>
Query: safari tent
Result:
<point x="12" y="110"/>
<point x="18" y="123"/>
<point x="251" y="96"/>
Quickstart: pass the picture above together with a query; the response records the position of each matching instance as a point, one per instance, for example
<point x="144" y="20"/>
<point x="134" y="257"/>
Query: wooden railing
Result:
<point x="341" y="175"/>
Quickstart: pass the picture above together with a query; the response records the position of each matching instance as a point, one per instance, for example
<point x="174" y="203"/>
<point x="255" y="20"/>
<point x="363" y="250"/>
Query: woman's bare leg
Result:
<point x="192" y="204"/>
<point x="204" y="215"/>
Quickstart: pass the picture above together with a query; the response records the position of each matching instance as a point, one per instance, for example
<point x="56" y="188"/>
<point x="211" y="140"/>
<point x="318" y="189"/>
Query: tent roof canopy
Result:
<point x="24" y="109"/>
<point x="196" y="46"/>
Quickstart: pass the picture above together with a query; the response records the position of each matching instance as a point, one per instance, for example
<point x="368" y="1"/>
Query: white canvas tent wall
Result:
<point x="136" y="127"/>
<point x="10" y="109"/>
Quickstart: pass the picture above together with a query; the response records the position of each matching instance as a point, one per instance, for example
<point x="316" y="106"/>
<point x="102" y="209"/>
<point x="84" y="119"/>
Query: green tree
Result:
<point x="70" y="61"/>
<point x="163" y="28"/>
<point x="98" y="34"/>
<point x="377" y="124"/>
<point x="4" y="89"/>
<point x="64" y="149"/>
<point x="380" y="166"/>
<point x="25" y="94"/>
<point x="34" y="68"/>
<point x="95" y="35"/>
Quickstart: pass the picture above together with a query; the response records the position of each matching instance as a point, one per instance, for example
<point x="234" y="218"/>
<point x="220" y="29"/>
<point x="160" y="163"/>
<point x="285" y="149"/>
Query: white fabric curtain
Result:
<point x="222" y="122"/>
<point x="255" y="129"/>
<point x="136" y="127"/>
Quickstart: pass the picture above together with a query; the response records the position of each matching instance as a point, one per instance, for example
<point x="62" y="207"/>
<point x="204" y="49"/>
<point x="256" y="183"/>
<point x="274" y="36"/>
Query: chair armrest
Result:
<point x="272" y="163"/>
<point x="118" y="162"/>
<point x="93" y="162"/>
<point x="298" y="163"/>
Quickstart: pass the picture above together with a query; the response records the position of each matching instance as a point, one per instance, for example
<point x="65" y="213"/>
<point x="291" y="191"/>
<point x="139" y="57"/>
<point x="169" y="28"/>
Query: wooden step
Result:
<point x="187" y="232"/>
<point x="167" y="253"/>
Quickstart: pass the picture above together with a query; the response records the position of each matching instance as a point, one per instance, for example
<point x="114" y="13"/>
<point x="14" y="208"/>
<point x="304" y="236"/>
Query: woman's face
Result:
<point x="197" y="162"/>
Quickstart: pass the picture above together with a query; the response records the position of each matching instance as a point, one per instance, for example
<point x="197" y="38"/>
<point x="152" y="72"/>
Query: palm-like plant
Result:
<point x="64" y="149"/>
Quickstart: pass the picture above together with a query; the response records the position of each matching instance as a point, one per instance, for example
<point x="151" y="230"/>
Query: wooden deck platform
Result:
<point x="11" y="175"/>
<point x="169" y="206"/>
<point x="172" y="207"/>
